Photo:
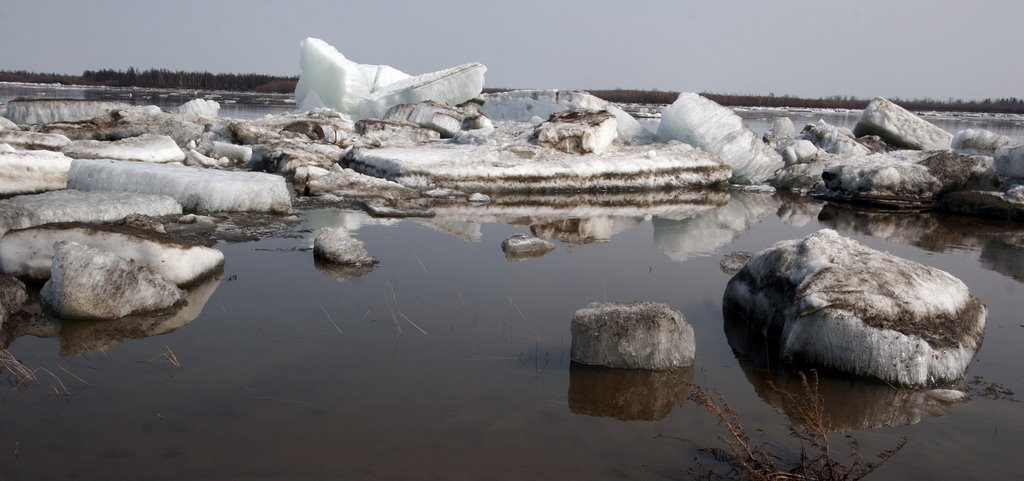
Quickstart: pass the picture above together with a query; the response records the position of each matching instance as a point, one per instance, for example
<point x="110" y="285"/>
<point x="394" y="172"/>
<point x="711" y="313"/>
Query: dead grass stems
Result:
<point x="809" y="425"/>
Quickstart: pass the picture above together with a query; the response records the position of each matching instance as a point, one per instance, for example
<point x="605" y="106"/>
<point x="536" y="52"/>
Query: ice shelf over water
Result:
<point x="46" y="111"/>
<point x="28" y="253"/>
<point x="76" y="206"/>
<point x="144" y="148"/>
<point x="29" y="172"/>
<point x="328" y="79"/>
<point x="838" y="304"/>
<point x="195" y="189"/>
<point x="490" y="169"/>
<point x="703" y="123"/>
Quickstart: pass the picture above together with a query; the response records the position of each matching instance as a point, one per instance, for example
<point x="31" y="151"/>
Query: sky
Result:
<point x="894" y="48"/>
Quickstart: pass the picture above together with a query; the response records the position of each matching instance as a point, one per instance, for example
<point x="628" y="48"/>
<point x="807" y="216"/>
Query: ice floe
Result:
<point x="28" y="253"/>
<point x="1009" y="161"/>
<point x="703" y="123"/>
<point x="335" y="245"/>
<point x="835" y="303"/>
<point x="77" y="206"/>
<point x="981" y="142"/>
<point x="195" y="189"/>
<point x="197" y="109"/>
<point x="30" y="172"/>
<point x="533" y="169"/>
<point x="900" y="128"/>
<point x="144" y="148"/>
<point x="48" y="111"/>
<point x="88" y="283"/>
<point x="328" y="79"/>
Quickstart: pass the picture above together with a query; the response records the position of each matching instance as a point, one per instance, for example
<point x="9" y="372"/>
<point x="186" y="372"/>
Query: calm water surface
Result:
<point x="449" y="361"/>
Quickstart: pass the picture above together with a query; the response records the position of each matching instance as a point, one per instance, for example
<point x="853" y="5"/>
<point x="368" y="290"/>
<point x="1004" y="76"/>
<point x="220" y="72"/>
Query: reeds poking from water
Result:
<point x="22" y="377"/>
<point x="809" y="425"/>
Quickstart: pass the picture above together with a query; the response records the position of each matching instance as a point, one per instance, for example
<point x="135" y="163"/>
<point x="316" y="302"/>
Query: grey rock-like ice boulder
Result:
<point x="889" y="180"/>
<point x="834" y="303"/>
<point x="521" y="246"/>
<point x="1009" y="161"/>
<point x="144" y="148"/>
<point x="901" y="128"/>
<point x="12" y="297"/>
<point x="641" y="335"/>
<point x="578" y="131"/>
<point x="335" y="245"/>
<point x="87" y="283"/>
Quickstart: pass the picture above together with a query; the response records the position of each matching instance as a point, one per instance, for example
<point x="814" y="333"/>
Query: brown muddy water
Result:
<point x="449" y="361"/>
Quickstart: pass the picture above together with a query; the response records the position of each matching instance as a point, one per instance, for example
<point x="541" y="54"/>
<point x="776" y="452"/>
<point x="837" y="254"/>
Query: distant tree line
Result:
<point x="250" y="82"/>
<point x="161" y="79"/>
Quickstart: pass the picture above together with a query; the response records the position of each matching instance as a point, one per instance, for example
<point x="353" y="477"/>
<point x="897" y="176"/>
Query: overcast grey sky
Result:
<point x="898" y="48"/>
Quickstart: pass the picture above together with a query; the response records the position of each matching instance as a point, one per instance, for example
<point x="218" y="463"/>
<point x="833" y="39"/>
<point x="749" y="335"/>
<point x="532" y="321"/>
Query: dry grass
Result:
<point x="22" y="377"/>
<point x="809" y="425"/>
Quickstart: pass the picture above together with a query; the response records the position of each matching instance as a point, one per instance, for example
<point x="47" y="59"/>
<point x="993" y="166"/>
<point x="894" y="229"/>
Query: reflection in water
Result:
<point x="584" y="231"/>
<point x="798" y="210"/>
<point x="1000" y="243"/>
<point x="342" y="272"/>
<point x="702" y="235"/>
<point x="82" y="337"/>
<point x="627" y="394"/>
<point x="851" y="404"/>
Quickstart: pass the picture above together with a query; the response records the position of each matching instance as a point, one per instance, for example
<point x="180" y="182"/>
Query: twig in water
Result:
<point x="421" y="262"/>
<point x="413" y="323"/>
<point x="72" y="374"/>
<point x="329" y="318"/>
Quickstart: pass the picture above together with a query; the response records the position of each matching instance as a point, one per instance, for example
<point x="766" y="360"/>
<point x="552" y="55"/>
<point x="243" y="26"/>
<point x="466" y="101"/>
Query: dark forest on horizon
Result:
<point x="250" y="82"/>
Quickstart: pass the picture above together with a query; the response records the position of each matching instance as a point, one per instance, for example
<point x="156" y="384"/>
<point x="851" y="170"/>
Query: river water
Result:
<point x="449" y="361"/>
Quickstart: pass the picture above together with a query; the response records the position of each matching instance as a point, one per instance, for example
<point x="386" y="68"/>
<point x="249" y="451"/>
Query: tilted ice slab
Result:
<point x="144" y="148"/>
<point x="981" y="142"/>
<point x="195" y="189"/>
<point x="77" y="206"/>
<point x="88" y="283"/>
<point x="328" y="79"/>
<point x="28" y="253"/>
<point x="491" y="169"/>
<point x="832" y="139"/>
<point x="33" y="171"/>
<point x="901" y="128"/>
<point x="703" y="123"/>
<point x="523" y="105"/>
<point x="47" y="111"/>
<point x="838" y="304"/>
<point x="23" y="140"/>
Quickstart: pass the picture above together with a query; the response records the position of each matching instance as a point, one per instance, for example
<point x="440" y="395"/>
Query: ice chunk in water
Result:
<point x="33" y="171"/>
<point x="899" y="127"/>
<point x="705" y="124"/>
<point x="46" y="111"/>
<point x="328" y="79"/>
<point x="76" y="206"/>
<point x="144" y="148"/>
<point x="981" y="142"/>
<point x="195" y="189"/>
<point x="199" y="108"/>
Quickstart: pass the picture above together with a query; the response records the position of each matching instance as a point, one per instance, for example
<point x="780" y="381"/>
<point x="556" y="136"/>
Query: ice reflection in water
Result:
<point x="851" y="404"/>
<point x="998" y="244"/>
<point x="627" y="394"/>
<point x="704" y="234"/>
<point x="79" y="338"/>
